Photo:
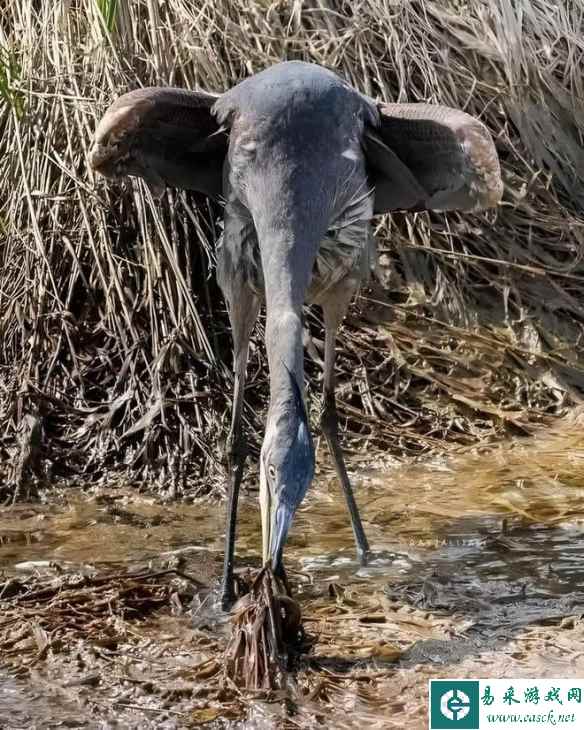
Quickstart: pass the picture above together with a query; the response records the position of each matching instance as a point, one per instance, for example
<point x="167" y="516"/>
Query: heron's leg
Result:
<point x="334" y="310"/>
<point x="238" y="238"/>
<point x="243" y="308"/>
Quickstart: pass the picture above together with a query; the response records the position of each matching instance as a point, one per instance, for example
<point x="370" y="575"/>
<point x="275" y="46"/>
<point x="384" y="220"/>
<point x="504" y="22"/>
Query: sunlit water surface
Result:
<point x="496" y="538"/>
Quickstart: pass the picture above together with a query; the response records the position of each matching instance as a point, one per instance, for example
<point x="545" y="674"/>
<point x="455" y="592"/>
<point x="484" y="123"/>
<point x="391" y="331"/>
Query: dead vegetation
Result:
<point x="266" y="633"/>
<point x="113" y="336"/>
<point x="120" y="646"/>
<point x="40" y="614"/>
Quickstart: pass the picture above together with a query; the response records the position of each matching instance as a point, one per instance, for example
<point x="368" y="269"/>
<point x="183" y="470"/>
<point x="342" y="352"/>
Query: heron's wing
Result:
<point x="431" y="157"/>
<point x="166" y="136"/>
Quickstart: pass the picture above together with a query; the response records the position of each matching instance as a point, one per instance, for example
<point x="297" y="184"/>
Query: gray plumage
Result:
<point x="302" y="162"/>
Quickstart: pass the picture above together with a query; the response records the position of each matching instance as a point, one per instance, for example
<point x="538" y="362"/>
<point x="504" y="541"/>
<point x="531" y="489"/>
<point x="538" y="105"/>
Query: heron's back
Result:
<point x="289" y="93"/>
<point x="300" y="127"/>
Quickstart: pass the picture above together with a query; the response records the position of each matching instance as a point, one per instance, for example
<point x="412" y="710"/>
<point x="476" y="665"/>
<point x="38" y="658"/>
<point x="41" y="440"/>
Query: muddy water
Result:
<point x="477" y="569"/>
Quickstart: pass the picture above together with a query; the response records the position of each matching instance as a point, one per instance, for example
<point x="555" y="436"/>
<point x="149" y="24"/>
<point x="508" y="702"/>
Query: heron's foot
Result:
<point x="361" y="542"/>
<point x="234" y="589"/>
<point x="363" y="555"/>
<point x="228" y="597"/>
<point x="211" y="607"/>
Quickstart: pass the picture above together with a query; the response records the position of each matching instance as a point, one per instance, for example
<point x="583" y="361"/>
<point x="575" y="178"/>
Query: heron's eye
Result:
<point x="272" y="471"/>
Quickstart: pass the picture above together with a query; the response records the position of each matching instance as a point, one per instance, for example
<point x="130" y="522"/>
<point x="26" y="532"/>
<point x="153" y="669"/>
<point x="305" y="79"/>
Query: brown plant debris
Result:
<point x="266" y="632"/>
<point x="41" y="612"/>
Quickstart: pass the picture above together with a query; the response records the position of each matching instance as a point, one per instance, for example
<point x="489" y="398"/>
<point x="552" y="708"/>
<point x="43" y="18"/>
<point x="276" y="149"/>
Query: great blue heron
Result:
<point x="303" y="162"/>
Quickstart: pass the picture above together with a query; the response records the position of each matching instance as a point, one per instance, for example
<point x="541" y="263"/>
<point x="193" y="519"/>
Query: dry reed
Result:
<point x="114" y="347"/>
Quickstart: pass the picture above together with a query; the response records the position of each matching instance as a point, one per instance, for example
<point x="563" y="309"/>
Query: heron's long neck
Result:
<point x="287" y="260"/>
<point x="289" y="239"/>
<point x="285" y="351"/>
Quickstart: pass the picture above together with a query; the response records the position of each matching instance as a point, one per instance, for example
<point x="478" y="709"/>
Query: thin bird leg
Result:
<point x="329" y="425"/>
<point x="243" y="311"/>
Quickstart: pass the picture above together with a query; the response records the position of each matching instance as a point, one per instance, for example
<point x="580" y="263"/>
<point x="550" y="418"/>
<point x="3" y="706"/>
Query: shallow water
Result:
<point x="469" y="557"/>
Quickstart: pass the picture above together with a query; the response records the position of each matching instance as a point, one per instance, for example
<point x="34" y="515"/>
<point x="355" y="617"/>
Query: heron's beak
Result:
<point x="281" y="519"/>
<point x="276" y="520"/>
<point x="281" y="496"/>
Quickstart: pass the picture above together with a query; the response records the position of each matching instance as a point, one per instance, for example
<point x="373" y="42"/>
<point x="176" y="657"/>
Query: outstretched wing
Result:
<point x="431" y="157"/>
<point x="166" y="136"/>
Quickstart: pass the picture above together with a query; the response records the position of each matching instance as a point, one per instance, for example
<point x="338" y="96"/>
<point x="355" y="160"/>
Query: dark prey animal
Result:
<point x="303" y="162"/>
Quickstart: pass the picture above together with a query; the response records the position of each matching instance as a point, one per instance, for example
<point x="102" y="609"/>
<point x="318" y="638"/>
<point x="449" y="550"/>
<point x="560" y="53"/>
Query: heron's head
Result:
<point x="286" y="470"/>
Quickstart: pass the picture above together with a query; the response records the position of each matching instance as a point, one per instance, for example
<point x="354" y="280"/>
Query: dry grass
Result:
<point x="266" y="634"/>
<point x="113" y="338"/>
<point x="39" y="614"/>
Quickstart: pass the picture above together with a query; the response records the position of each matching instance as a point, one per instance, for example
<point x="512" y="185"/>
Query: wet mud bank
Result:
<point x="109" y="615"/>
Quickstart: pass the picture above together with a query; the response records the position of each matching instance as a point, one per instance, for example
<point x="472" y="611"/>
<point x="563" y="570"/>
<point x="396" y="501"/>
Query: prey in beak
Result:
<point x="286" y="471"/>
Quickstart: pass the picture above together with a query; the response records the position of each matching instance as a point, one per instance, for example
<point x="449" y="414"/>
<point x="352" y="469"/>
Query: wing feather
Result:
<point x="166" y="136"/>
<point x="450" y="154"/>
